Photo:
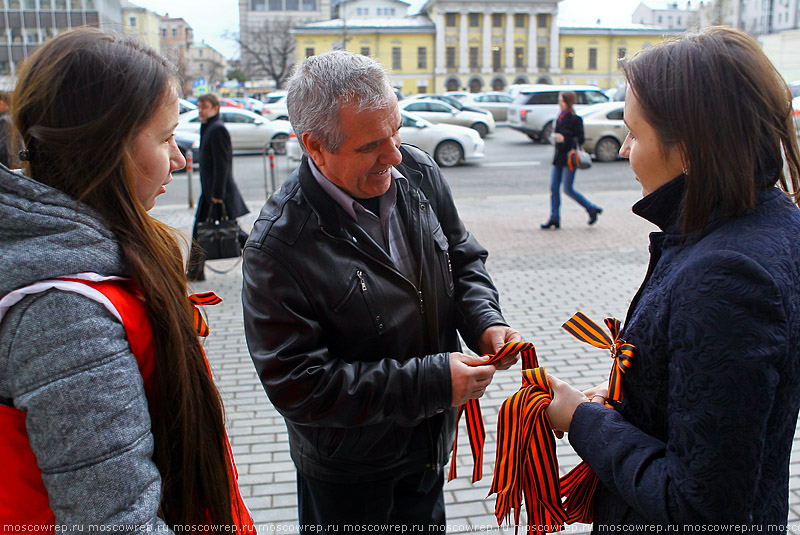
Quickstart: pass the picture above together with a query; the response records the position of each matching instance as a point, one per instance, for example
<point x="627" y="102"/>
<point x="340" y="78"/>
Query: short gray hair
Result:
<point x="321" y="84"/>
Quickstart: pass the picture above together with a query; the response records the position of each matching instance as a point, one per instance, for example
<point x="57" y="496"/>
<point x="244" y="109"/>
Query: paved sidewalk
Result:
<point x="544" y="277"/>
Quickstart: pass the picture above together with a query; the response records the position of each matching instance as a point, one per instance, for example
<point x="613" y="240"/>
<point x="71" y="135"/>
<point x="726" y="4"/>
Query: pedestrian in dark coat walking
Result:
<point x="568" y="136"/>
<point x="219" y="190"/>
<point x="702" y="436"/>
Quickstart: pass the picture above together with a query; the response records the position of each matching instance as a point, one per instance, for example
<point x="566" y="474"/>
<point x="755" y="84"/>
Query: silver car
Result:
<point x="604" y="130"/>
<point x="437" y="111"/>
<point x="495" y="102"/>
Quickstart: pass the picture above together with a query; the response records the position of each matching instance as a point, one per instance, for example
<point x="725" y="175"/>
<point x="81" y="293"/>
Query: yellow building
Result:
<point x="590" y="55"/>
<point x="142" y="24"/>
<point x="380" y="29"/>
<point x="486" y="45"/>
<point x="476" y="45"/>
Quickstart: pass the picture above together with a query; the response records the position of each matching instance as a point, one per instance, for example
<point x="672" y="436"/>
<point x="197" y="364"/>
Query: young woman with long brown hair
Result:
<point x="702" y="435"/>
<point x="102" y="365"/>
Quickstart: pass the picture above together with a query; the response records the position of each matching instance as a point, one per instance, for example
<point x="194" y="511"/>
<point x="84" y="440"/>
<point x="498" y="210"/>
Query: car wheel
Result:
<point x="607" y="149"/>
<point x="533" y="137"/>
<point x="279" y="143"/>
<point x="448" y="153"/>
<point x="547" y="131"/>
<point x="481" y="129"/>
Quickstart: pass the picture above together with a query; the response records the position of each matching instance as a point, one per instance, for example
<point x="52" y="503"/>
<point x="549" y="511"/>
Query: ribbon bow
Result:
<point x="588" y="331"/>
<point x="203" y="299"/>
<point x="475" y="428"/>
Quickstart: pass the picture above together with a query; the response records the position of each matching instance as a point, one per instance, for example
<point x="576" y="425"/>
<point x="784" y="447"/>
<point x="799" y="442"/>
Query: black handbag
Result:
<point x="219" y="237"/>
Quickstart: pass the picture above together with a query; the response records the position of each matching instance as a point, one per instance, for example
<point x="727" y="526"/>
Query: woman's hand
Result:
<point x="566" y="399"/>
<point x="559" y="138"/>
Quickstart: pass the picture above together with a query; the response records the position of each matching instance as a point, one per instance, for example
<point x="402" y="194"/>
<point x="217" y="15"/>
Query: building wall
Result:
<point x="783" y="49"/>
<point x="176" y="39"/>
<point x="28" y="23"/>
<point x="207" y="63"/>
<point x="381" y="45"/>
<point x="608" y="45"/>
<point x="143" y="25"/>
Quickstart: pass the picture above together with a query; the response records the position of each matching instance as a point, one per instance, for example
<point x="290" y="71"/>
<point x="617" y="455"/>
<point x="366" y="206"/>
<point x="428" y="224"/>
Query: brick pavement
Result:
<point x="543" y="277"/>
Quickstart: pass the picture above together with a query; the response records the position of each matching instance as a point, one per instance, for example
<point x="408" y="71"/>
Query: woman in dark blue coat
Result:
<point x="703" y="434"/>
<point x="568" y="136"/>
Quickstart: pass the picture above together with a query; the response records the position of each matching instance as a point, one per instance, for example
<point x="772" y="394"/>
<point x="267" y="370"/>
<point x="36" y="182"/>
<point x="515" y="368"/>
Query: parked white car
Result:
<point x="438" y="112"/>
<point x="275" y="106"/>
<point x="249" y="131"/>
<point x="448" y="144"/>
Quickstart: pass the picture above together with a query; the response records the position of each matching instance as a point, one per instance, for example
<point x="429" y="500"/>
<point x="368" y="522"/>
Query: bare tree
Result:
<point x="268" y="50"/>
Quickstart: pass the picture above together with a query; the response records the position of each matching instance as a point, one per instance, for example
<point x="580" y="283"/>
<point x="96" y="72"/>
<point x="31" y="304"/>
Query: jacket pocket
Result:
<point x="360" y="284"/>
<point x="443" y="253"/>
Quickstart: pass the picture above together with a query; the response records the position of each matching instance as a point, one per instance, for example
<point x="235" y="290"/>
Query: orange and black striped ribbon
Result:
<point x="588" y="331"/>
<point x="475" y="428"/>
<point x="203" y="299"/>
<point x="526" y="464"/>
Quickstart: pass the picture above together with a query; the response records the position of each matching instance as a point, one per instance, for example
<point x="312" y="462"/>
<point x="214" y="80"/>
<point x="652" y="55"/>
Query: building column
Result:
<point x="533" y="45"/>
<point x="439" y="66"/>
<point x="463" y="53"/>
<point x="509" y="46"/>
<point x="486" y="45"/>
<point x="555" y="44"/>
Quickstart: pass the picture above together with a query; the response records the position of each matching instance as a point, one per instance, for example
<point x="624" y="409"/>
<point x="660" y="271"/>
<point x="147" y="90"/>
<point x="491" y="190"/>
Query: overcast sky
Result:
<point x="211" y="20"/>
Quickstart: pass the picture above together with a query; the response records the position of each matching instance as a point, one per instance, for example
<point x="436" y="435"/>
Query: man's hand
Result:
<point x="493" y="338"/>
<point x="470" y="376"/>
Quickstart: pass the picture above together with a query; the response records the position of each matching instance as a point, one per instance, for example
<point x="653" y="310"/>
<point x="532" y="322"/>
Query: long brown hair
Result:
<point x="569" y="98"/>
<point x="715" y="96"/>
<point x="81" y="99"/>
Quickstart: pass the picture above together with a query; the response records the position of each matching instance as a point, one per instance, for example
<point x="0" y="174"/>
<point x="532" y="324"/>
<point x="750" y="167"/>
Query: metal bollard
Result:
<point x="273" y="181"/>
<point x="189" y="169"/>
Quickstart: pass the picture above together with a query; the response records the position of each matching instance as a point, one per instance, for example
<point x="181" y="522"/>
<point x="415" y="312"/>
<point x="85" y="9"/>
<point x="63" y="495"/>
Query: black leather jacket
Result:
<point x="354" y="355"/>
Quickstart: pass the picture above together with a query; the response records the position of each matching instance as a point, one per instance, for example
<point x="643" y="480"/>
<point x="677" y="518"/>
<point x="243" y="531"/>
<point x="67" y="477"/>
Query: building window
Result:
<point x="474" y="20"/>
<point x="258" y="5"/>
<point x="519" y="20"/>
<point x="541" y="20"/>
<point x="474" y="55"/>
<point x="75" y="5"/>
<point x="497" y="20"/>
<point x="397" y="58"/>
<point x="275" y="5"/>
<point x="365" y="51"/>
<point x="309" y="5"/>
<point x="497" y="59"/>
<point x="200" y="67"/>
<point x="45" y="4"/>
<point x="132" y="22"/>
<point x="569" y="57"/>
<point x="621" y="52"/>
<point x="592" y="59"/>
<point x="660" y="19"/>
<point x="30" y="4"/>
<point x="519" y="57"/>
<point x="174" y="33"/>
<point x="292" y="5"/>
<point x="450" y="20"/>
<point x="450" y="57"/>
<point x="422" y="57"/>
<point x="309" y="52"/>
<point x="541" y="57"/>
<point x="163" y="32"/>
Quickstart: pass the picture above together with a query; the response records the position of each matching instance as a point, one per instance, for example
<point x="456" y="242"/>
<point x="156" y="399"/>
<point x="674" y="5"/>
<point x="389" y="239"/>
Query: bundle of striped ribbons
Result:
<point x="526" y="465"/>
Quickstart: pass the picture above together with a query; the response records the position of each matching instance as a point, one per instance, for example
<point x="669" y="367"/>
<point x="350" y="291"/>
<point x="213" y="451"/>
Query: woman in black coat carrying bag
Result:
<point x="569" y="135"/>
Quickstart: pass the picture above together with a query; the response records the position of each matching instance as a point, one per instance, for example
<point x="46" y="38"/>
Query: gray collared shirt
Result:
<point x="385" y="228"/>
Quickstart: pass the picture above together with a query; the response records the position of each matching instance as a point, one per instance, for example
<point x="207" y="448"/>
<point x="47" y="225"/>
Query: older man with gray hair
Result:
<point x="358" y="277"/>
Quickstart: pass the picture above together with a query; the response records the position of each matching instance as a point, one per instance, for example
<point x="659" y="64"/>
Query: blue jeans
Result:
<point x="557" y="176"/>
